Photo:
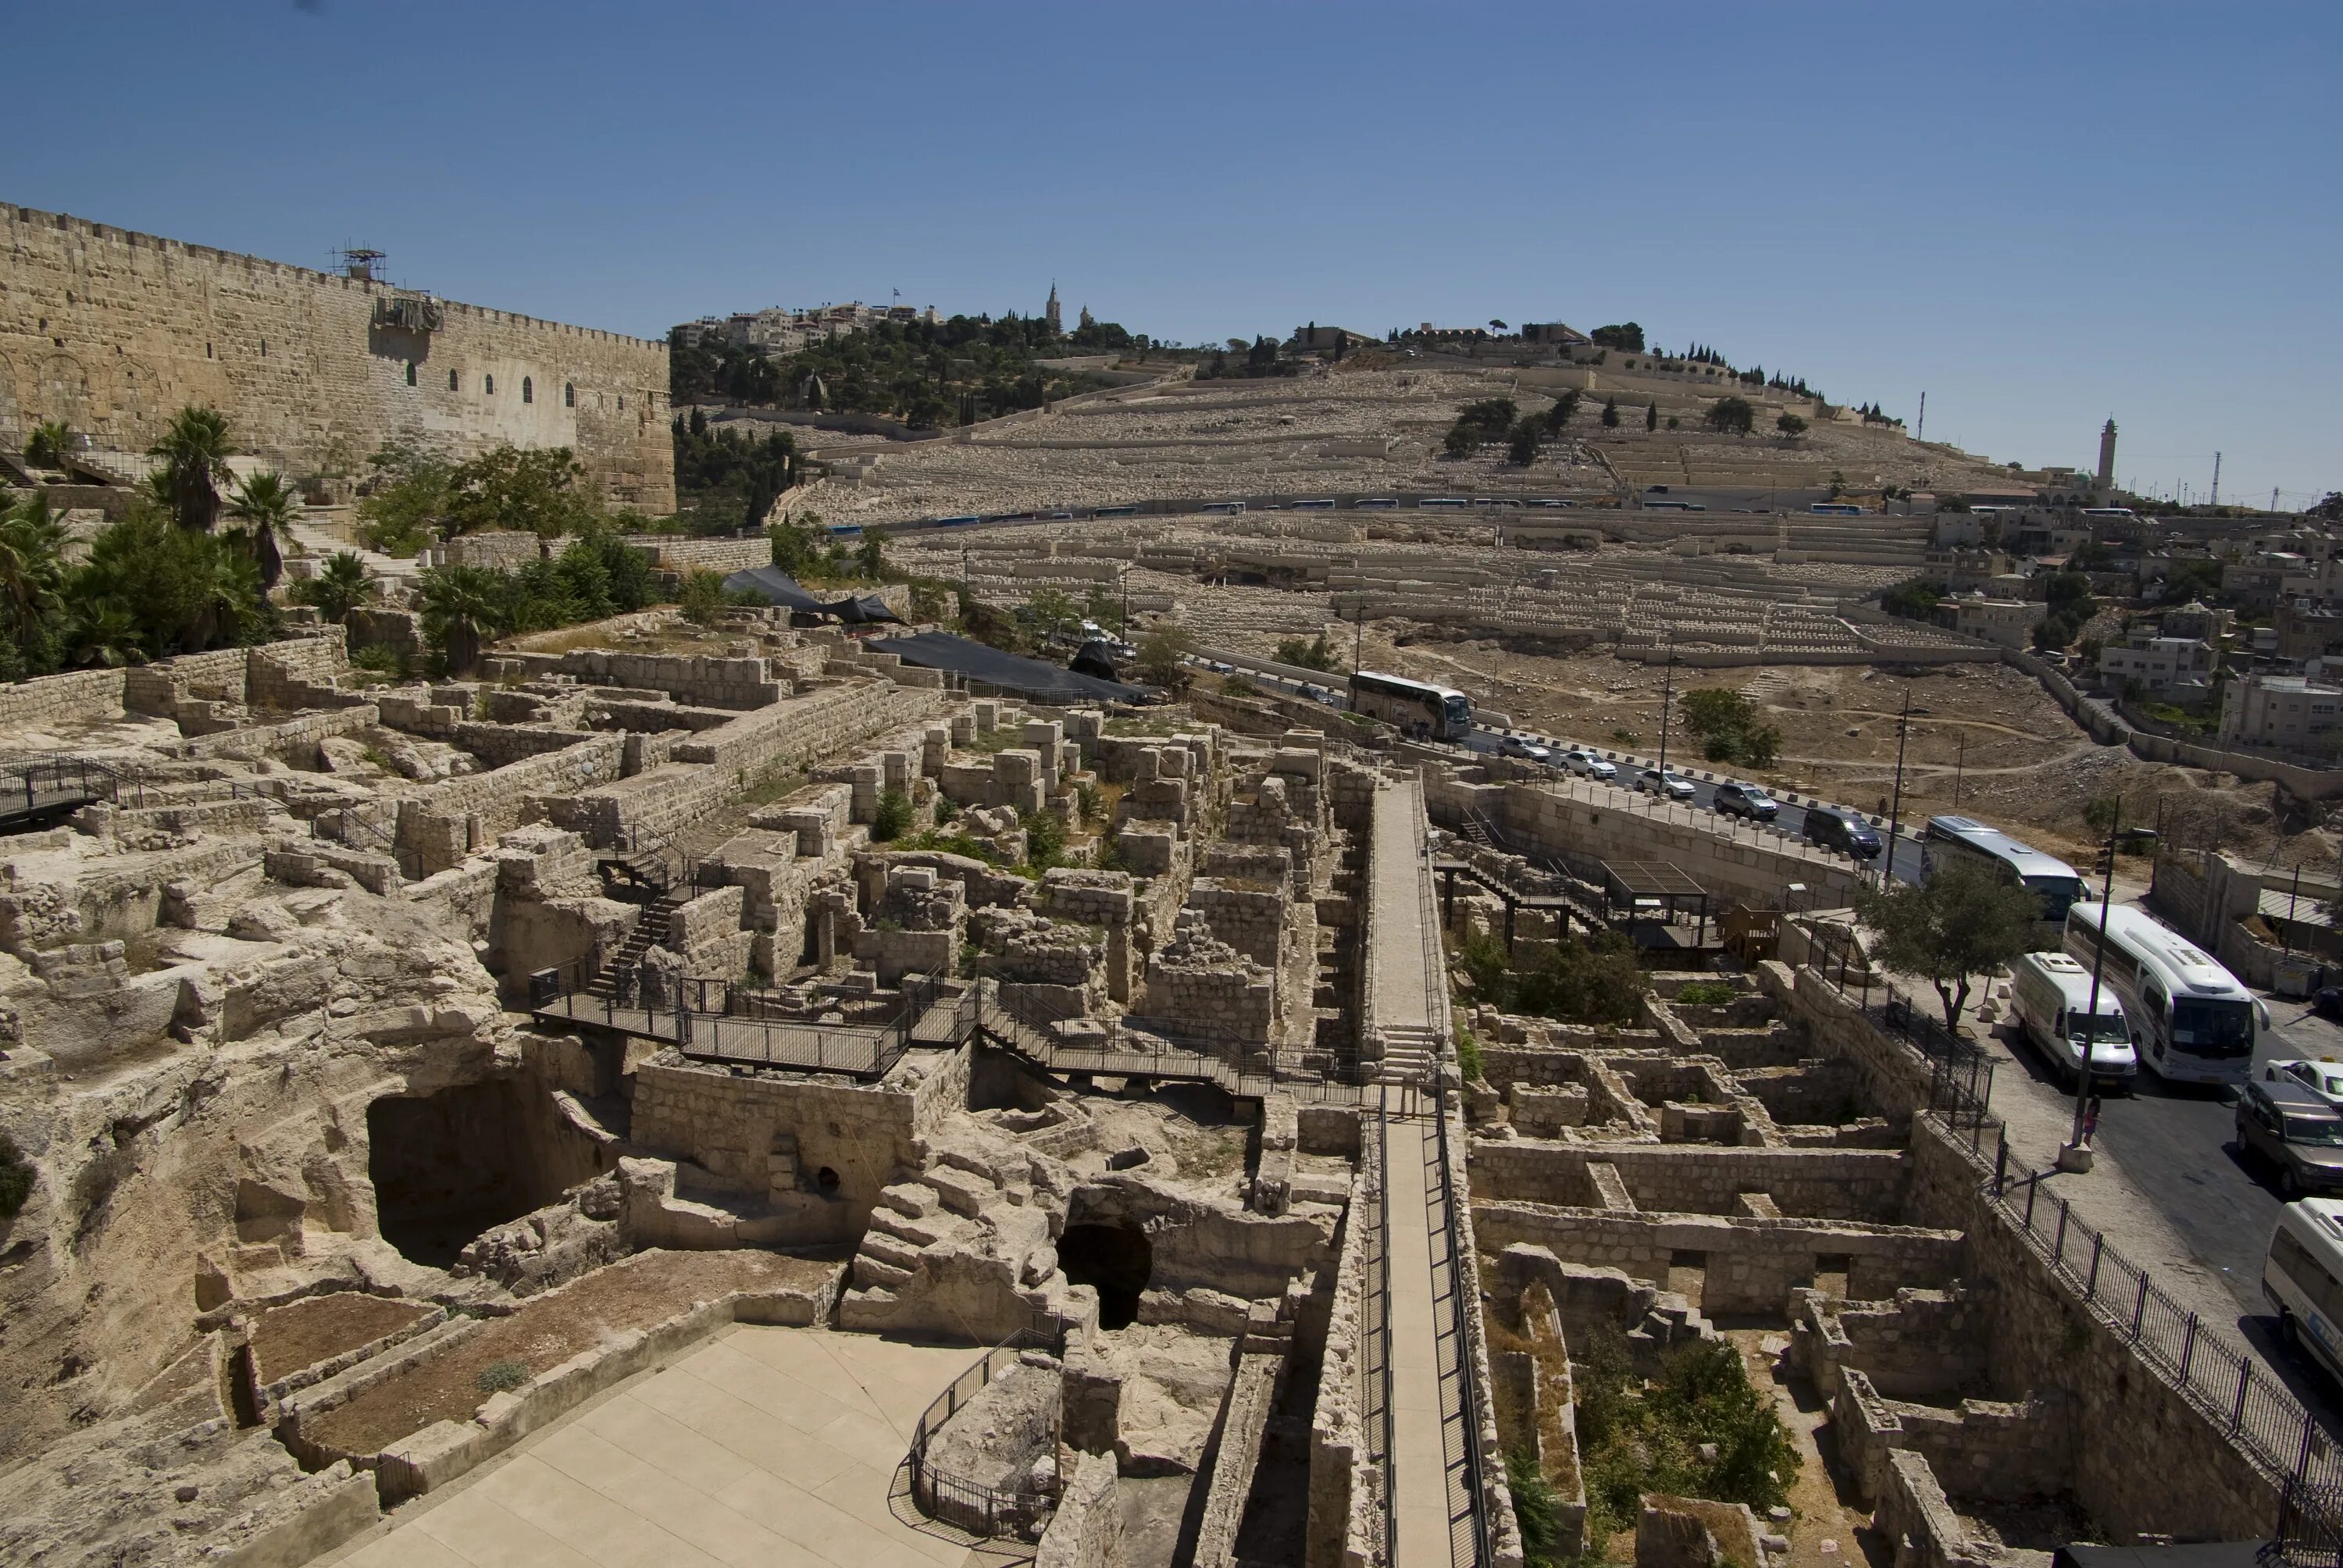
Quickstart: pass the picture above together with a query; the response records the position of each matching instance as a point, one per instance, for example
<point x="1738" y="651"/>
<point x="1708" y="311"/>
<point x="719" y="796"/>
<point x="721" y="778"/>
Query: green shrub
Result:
<point x="1576" y="980"/>
<point x="15" y="1179"/>
<point x="893" y="817"/>
<point x="1535" y="1506"/>
<point x="502" y="1377"/>
<point x="381" y="659"/>
<point x="1637" y="1437"/>
<point x="1089" y="800"/>
<point x="1705" y="993"/>
<point x="1468" y="1054"/>
<point x="1045" y="839"/>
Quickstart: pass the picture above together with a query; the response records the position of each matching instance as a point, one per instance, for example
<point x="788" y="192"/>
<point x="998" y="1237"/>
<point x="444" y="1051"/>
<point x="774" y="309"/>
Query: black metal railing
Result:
<point x="1463" y="1299"/>
<point x="976" y="1508"/>
<point x="55" y="781"/>
<point x="716" y="1020"/>
<point x="1377" y="1309"/>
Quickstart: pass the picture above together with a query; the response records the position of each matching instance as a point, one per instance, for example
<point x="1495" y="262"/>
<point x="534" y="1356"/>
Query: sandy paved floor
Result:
<point x="764" y="1446"/>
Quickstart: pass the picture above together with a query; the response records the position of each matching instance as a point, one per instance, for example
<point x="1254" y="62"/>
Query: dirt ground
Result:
<point x="1828" y="1526"/>
<point x="1985" y="733"/>
<point x="636" y="1294"/>
<point x="303" y="1332"/>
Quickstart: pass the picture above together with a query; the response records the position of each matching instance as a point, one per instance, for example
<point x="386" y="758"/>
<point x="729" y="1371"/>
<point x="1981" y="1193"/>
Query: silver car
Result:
<point x="1578" y="760"/>
<point x="1667" y="786"/>
<point x="1528" y="750"/>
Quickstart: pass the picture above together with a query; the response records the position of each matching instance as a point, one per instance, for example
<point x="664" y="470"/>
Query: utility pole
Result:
<point x="1667" y="696"/>
<point x="1920" y="430"/>
<point x="1959" y="759"/>
<point x="2076" y="1155"/>
<point x="1125" y="628"/>
<point x="2215" y="499"/>
<point x="1895" y="810"/>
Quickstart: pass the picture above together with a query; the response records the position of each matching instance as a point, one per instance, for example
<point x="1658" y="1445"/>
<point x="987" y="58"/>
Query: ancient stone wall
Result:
<point x="112" y="332"/>
<point x="1859" y="1184"/>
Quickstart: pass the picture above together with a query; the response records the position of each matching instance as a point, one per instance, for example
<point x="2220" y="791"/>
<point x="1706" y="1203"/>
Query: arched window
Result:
<point x="527" y="389"/>
<point x="569" y="394"/>
<point x="622" y="402"/>
<point x="453" y="383"/>
<point x="489" y="384"/>
<point x="410" y="372"/>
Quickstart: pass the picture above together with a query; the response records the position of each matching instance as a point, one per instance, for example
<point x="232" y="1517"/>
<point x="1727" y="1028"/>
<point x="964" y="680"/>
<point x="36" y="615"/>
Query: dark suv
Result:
<point x="1841" y="831"/>
<point x="2297" y="1132"/>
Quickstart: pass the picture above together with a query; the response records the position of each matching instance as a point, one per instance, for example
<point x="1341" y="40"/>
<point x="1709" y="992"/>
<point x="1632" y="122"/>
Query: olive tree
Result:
<point x="1962" y="922"/>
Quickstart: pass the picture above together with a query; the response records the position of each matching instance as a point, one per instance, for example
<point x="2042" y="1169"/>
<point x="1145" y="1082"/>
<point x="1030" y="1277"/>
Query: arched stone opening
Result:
<point x="1116" y="1260"/>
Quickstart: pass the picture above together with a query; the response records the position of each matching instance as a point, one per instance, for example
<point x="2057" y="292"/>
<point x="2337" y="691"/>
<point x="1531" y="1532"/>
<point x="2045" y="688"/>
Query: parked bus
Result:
<point x="1375" y="504"/>
<point x="1423" y="501"/>
<point x="1835" y="509"/>
<point x="2303" y="1279"/>
<point x="1674" y="505"/>
<point x="1227" y="508"/>
<point x="1415" y="707"/>
<point x="2191" y="1021"/>
<point x="2055" y="882"/>
<point x="1116" y="512"/>
<point x="1313" y="505"/>
<point x="965" y="520"/>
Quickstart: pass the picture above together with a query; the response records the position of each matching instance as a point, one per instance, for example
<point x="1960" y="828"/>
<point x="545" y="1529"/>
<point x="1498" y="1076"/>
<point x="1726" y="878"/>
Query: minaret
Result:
<point x="2107" y="455"/>
<point x="1051" y="312"/>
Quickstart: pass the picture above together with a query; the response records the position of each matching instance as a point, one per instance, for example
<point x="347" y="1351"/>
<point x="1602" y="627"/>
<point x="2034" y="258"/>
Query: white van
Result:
<point x="2303" y="1279"/>
<point x="2052" y="995"/>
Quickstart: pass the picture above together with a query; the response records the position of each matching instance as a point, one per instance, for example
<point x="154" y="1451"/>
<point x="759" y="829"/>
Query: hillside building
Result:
<point x="2286" y="712"/>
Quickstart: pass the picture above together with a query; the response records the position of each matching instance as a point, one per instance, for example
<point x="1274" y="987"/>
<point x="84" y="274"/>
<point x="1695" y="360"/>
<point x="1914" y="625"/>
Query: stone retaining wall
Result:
<point x="1863" y="1185"/>
<point x="446" y="823"/>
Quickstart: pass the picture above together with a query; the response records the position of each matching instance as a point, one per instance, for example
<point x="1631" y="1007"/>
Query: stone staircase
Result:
<point x="1412" y="1054"/>
<point x="969" y="1216"/>
<point x="649" y="933"/>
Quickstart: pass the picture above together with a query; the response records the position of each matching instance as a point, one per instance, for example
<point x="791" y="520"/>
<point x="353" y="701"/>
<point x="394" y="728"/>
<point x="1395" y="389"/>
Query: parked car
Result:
<point x="1578" y="760"/>
<point x="1528" y="750"/>
<point x="1745" y="800"/>
<point x="2329" y="1002"/>
<point x="1667" y="786"/>
<point x="2295" y="1132"/>
<point x="1842" y="830"/>
<point x="2323" y="1078"/>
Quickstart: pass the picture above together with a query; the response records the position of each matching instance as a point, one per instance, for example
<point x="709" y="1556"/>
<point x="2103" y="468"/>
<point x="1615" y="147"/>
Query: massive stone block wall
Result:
<point x="113" y="331"/>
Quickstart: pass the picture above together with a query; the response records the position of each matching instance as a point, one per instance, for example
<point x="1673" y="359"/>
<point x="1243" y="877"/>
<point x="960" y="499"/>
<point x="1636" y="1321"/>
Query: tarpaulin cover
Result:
<point x="779" y="589"/>
<point x="1031" y="677"/>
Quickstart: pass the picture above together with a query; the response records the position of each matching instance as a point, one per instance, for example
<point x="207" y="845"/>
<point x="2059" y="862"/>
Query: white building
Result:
<point x="2009" y="622"/>
<point x="2165" y="667"/>
<point x="2286" y="712"/>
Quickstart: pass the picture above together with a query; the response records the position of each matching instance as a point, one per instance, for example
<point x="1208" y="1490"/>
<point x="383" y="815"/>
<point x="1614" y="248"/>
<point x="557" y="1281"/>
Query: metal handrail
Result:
<point x="1464" y="1292"/>
<point x="1379" y="1434"/>
<point x="976" y="1507"/>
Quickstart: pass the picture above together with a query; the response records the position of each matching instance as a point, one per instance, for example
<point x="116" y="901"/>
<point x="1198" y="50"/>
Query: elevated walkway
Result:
<point x="1409" y="996"/>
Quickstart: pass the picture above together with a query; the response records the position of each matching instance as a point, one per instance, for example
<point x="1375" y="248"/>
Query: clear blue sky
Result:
<point x="2042" y="213"/>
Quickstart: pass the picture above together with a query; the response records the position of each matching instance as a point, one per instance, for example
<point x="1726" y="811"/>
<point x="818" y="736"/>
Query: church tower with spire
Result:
<point x="1052" y="314"/>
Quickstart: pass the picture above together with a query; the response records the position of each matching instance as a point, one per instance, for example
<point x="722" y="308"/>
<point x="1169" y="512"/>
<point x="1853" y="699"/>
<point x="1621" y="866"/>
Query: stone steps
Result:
<point x="892" y="1250"/>
<point x="961" y="1193"/>
<point x="873" y="1273"/>
<point x="916" y="1233"/>
<point x="908" y="1199"/>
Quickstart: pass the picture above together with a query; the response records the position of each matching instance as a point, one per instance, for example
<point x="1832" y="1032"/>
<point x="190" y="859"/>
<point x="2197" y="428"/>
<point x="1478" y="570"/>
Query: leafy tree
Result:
<point x="341" y="584"/>
<point x="2068" y="595"/>
<point x="1730" y="415"/>
<point x="195" y="451"/>
<point x="2052" y="633"/>
<point x="1963" y="921"/>
<point x="1913" y="598"/>
<point x="703" y="596"/>
<point x="1790" y="425"/>
<point x="47" y="443"/>
<point x="1837" y="484"/>
<point x="1460" y="440"/>
<point x="892" y="817"/>
<point x="1557" y="417"/>
<point x="870" y="558"/>
<point x="1577" y="979"/>
<point x="797" y="549"/>
<point x="266" y="507"/>
<point x="1731" y="727"/>
<point x="2329" y="507"/>
<point x="2192" y="579"/>
<point x="1318" y="654"/>
<point x="1626" y="336"/>
<point x="1611" y="413"/>
<point x="1524" y="449"/>
<point x="508" y="488"/>
<point x="406" y="493"/>
<point x="178" y="589"/>
<point x="1162" y="651"/>
<point x="1051" y="609"/>
<point x="1102" y="606"/>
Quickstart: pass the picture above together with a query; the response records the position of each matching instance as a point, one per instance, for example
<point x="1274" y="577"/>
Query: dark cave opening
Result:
<point x="449" y="1165"/>
<point x="1116" y="1261"/>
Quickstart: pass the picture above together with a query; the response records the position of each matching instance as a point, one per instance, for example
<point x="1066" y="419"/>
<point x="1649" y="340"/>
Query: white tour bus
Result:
<point x="2049" y="878"/>
<point x="1415" y="707"/>
<point x="2303" y="1279"/>
<point x="2052" y="995"/>
<point x="2191" y="1021"/>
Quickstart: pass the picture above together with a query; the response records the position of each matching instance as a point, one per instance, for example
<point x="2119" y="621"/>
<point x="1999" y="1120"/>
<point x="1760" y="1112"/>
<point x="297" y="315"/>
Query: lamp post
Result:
<point x="2076" y="1155"/>
<point x="1667" y="697"/>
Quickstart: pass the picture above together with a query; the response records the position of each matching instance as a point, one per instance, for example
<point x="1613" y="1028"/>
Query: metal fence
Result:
<point x="1464" y="1300"/>
<point x="717" y="1022"/>
<point x="1375" y="1308"/>
<point x="2242" y="1399"/>
<point x="978" y="1508"/>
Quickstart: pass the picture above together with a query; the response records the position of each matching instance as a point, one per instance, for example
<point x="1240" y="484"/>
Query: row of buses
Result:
<point x="2187" y="1018"/>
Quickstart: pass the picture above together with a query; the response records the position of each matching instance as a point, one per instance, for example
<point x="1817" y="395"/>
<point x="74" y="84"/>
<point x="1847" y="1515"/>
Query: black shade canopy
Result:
<point x="1034" y="678"/>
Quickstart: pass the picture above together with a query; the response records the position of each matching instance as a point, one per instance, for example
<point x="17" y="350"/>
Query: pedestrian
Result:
<point x="2090" y="1120"/>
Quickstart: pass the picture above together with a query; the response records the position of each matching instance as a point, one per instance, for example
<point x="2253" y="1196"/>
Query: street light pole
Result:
<point x="1960" y="757"/>
<point x="2076" y="1155"/>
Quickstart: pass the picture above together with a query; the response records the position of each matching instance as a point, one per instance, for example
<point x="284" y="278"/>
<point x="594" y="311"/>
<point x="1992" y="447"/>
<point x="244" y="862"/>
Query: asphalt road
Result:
<point x="2177" y="1146"/>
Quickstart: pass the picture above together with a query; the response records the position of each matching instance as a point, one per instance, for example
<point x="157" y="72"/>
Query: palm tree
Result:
<point x="195" y="451"/>
<point x="46" y="445"/>
<point x="31" y="577"/>
<point x="103" y="632"/>
<point x="341" y="586"/>
<point x="266" y="505"/>
<point x="226" y="593"/>
<point x="458" y="604"/>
